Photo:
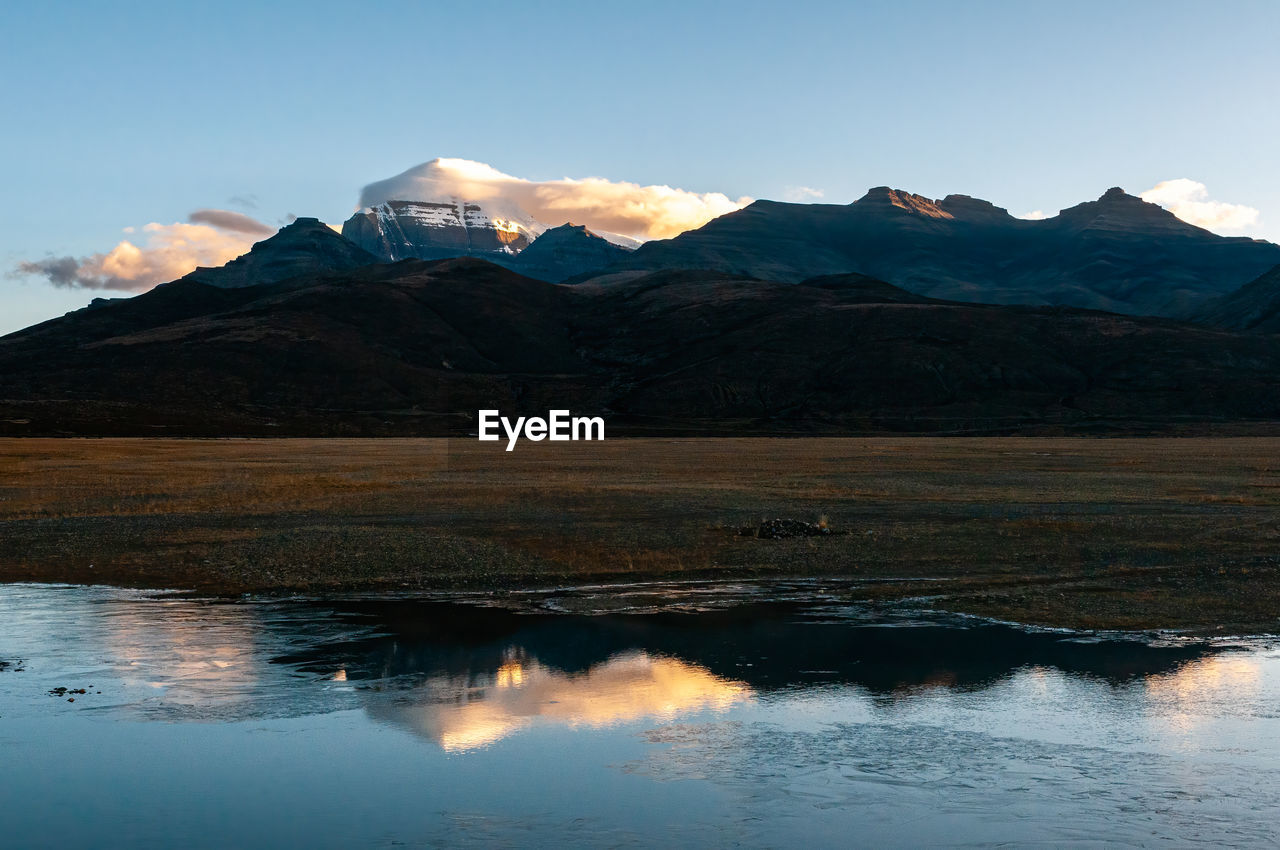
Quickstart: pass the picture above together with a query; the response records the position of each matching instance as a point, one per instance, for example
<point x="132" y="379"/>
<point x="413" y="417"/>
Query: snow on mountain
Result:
<point x="429" y="230"/>
<point x="618" y="239"/>
<point x="443" y="227"/>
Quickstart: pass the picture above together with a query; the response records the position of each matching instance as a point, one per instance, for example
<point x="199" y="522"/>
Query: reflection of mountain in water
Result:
<point x="768" y="646"/>
<point x="463" y="675"/>
<point x="463" y="712"/>
<point x="466" y="676"/>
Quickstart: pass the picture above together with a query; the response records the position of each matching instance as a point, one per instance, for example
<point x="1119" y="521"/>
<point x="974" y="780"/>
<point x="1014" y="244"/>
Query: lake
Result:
<point x="758" y="715"/>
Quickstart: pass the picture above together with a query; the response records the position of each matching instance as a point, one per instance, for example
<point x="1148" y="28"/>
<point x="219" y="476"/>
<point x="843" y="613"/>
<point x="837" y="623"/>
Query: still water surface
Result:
<point x="677" y="716"/>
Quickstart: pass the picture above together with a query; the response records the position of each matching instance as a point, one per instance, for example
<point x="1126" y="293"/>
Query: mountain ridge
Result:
<point x="1117" y="253"/>
<point x="417" y="347"/>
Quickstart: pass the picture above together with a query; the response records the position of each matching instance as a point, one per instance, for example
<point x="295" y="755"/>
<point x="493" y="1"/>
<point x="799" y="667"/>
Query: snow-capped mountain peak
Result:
<point x="450" y="226"/>
<point x="446" y="227"/>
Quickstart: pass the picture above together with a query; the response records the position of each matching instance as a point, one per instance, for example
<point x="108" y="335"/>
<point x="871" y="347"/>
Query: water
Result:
<point x="692" y="715"/>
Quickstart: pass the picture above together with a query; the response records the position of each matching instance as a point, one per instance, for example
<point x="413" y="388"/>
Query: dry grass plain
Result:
<point x="1095" y="533"/>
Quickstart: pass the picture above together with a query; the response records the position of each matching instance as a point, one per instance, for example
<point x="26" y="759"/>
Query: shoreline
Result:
<point x="903" y="593"/>
<point x="1123" y="534"/>
<point x="508" y="597"/>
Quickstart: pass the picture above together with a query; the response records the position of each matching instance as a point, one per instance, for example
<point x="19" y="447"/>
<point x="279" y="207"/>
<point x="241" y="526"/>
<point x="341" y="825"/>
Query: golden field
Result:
<point x="1103" y="533"/>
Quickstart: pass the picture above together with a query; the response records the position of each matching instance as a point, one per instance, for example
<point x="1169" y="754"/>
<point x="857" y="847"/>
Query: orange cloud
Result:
<point x="169" y="252"/>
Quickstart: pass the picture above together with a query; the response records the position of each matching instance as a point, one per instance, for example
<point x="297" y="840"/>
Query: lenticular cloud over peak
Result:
<point x="642" y="212"/>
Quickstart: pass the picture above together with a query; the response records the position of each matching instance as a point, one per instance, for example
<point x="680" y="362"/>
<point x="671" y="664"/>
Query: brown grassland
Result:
<point x="1091" y="533"/>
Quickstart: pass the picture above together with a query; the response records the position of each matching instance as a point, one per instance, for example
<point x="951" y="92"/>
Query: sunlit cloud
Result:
<point x="1189" y="201"/>
<point x="168" y="251"/>
<point x="1034" y="215"/>
<point x="629" y="209"/>
<point x="802" y="194"/>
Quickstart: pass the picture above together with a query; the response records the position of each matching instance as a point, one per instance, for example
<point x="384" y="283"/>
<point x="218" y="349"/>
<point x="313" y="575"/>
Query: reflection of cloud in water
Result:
<point x="195" y="654"/>
<point x="461" y="714"/>
<point x="1199" y="688"/>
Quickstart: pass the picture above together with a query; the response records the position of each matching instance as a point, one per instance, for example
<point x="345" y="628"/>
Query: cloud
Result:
<point x="61" y="271"/>
<point x="232" y="221"/>
<point x="157" y="252"/>
<point x="644" y="212"/>
<point x="1034" y="215"/>
<point x="801" y="194"/>
<point x="210" y="238"/>
<point x="1189" y="201"/>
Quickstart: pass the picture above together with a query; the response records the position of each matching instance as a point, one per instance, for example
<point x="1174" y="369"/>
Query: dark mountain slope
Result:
<point x="735" y="351"/>
<point x="305" y="247"/>
<point x="409" y="340"/>
<point x="418" y="347"/>
<point x="564" y="252"/>
<point x="1117" y="253"/>
<point x="1253" y="307"/>
<point x="298" y="253"/>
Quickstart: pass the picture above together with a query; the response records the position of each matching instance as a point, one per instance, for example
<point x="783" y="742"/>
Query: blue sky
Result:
<point x="121" y="114"/>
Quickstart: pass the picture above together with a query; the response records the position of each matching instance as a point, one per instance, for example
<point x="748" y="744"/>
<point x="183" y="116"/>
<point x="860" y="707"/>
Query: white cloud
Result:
<point x="643" y="212"/>
<point x="1189" y="201"/>
<point x="802" y="194"/>
<point x="211" y="238"/>
<point x="1034" y="215"/>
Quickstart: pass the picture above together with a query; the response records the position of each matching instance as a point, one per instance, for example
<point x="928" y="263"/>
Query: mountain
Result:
<point x="1117" y="253"/>
<point x="433" y="230"/>
<point x="382" y="349"/>
<point x="1253" y="307"/>
<point x="305" y="247"/>
<point x="417" y="347"/>
<point x="564" y="252"/>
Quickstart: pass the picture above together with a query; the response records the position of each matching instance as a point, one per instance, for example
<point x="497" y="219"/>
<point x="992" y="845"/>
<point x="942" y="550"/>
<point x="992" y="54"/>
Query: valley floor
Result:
<point x="1177" y="533"/>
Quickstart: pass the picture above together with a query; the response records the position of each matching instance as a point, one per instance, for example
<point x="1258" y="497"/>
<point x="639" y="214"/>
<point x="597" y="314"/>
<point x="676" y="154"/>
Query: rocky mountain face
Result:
<point x="1117" y="253"/>
<point x="416" y="348"/>
<point x="1253" y="307"/>
<point x="305" y="247"/>
<point x="424" y="230"/>
<point x="433" y="230"/>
